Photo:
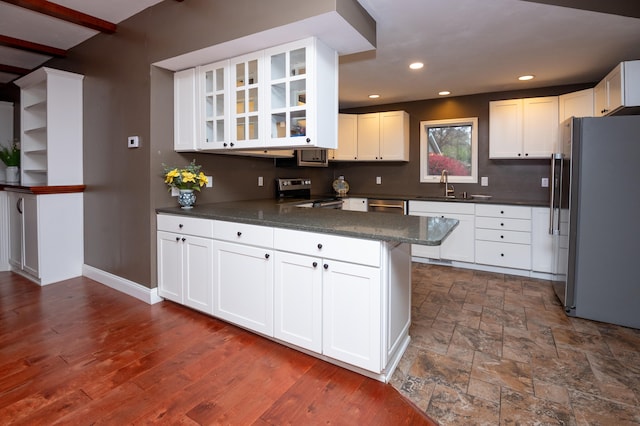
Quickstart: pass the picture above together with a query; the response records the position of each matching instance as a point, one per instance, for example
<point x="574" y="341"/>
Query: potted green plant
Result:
<point x="10" y="156"/>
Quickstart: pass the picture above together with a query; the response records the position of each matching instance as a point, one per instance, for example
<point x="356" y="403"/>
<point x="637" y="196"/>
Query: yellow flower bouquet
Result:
<point x="188" y="177"/>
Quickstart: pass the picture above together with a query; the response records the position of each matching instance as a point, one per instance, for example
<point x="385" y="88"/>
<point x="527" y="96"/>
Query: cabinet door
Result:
<point x="575" y="104"/>
<point x="347" y="138"/>
<point x="170" y="266"/>
<point x="614" y="87"/>
<point x="243" y="286"/>
<point x="540" y="127"/>
<point x="459" y="245"/>
<point x="600" y="98"/>
<point x="288" y="73"/>
<point x="198" y="273"/>
<point x="505" y="129"/>
<point x="185" y="113"/>
<point x="541" y="241"/>
<point x="298" y="300"/>
<point x="394" y="136"/>
<point x="246" y="101"/>
<point x="31" y="253"/>
<point x="369" y="136"/>
<point x="15" y="229"/>
<point x="352" y="314"/>
<point x="213" y="106"/>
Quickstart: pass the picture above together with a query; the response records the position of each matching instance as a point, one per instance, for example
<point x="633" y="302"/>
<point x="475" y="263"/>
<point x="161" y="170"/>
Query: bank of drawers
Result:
<point x="503" y="236"/>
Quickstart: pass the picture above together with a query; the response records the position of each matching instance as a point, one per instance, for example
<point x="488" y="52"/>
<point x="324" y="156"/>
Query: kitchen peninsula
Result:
<point x="334" y="284"/>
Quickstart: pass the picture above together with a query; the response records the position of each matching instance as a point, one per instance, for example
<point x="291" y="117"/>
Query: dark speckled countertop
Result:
<point x="374" y="226"/>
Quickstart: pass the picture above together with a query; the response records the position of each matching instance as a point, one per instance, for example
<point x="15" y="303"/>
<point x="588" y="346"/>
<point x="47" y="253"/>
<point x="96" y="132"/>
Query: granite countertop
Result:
<point x="492" y="200"/>
<point x="375" y="226"/>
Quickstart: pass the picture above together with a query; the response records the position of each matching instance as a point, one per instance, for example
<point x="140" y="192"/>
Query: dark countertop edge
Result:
<point x="44" y="189"/>
<point x="492" y="200"/>
<point x="308" y="228"/>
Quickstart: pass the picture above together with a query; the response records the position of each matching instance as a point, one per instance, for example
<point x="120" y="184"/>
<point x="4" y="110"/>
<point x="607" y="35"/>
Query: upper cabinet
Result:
<point x="378" y="136"/>
<point x="523" y="128"/>
<point x="51" y="128"/>
<point x="282" y="97"/>
<point x="620" y="88"/>
<point x="575" y="104"/>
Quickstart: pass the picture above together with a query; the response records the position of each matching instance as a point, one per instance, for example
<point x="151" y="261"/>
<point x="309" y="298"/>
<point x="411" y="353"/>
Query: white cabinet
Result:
<point x="347" y="138"/>
<point x="355" y="204"/>
<point x="213" y="105"/>
<point x="620" y="88"/>
<point x="302" y="95"/>
<point x="523" y="128"/>
<point x="542" y="259"/>
<point x="51" y="128"/>
<point x="380" y="136"/>
<point x="185" y="261"/>
<point x="503" y="236"/>
<point x="39" y="225"/>
<point x="243" y="281"/>
<point x="246" y="101"/>
<point x="459" y="245"/>
<point x="575" y="104"/>
<point x="185" y="111"/>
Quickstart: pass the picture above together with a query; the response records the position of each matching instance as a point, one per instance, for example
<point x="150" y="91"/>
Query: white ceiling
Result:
<point x="468" y="46"/>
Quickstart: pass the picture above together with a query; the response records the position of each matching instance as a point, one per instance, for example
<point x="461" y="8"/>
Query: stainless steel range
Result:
<point x="299" y="190"/>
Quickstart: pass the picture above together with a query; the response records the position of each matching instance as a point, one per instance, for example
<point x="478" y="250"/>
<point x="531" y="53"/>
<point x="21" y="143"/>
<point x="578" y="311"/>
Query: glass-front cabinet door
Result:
<point x="214" y="105"/>
<point x="246" y="100"/>
<point x="302" y="97"/>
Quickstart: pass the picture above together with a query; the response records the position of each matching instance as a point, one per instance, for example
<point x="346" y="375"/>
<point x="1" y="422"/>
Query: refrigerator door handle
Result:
<point x="556" y="185"/>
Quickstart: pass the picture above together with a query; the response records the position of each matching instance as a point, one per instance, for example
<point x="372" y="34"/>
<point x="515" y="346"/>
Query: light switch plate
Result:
<point x="209" y="181"/>
<point x="484" y="181"/>
<point x="544" y="182"/>
<point x="378" y="180"/>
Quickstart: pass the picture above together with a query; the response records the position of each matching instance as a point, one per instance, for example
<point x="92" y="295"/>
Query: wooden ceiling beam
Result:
<point x="17" y="43"/>
<point x="14" y="70"/>
<point x="66" y="14"/>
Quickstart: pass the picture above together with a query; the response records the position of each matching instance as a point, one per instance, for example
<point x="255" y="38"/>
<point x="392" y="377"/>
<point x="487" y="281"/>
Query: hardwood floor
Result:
<point x="77" y="352"/>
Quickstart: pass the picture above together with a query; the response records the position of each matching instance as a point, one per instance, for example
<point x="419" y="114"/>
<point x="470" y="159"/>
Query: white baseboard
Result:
<point x="123" y="285"/>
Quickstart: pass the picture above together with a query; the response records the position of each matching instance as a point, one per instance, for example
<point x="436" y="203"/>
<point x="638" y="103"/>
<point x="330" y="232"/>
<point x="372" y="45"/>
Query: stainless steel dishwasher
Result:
<point x="387" y="206"/>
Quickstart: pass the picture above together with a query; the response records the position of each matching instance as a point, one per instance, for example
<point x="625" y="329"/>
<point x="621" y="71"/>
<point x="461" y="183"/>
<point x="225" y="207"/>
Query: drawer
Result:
<point x="244" y="233"/>
<point x="507" y="255"/>
<point x="454" y="207"/>
<point x="522" y="225"/>
<point x="503" y="236"/>
<point x="185" y="225"/>
<point x="496" y="210"/>
<point x="346" y="249"/>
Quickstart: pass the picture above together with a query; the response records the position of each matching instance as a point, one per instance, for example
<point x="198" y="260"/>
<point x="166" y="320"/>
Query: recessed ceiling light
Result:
<point x="444" y="93"/>
<point x="374" y="96"/>
<point x="525" y="77"/>
<point x="416" y="65"/>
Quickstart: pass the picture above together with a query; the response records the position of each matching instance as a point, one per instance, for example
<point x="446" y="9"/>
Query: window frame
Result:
<point x="424" y="152"/>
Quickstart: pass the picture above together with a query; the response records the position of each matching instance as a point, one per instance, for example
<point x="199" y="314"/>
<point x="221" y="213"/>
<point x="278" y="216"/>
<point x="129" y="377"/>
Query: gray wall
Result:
<point x="125" y="95"/>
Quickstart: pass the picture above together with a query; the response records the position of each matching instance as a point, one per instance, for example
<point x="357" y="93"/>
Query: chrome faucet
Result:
<point x="448" y="189"/>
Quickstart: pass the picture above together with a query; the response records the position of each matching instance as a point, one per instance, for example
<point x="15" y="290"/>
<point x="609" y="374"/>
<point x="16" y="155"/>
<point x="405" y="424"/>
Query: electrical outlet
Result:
<point x="260" y="181"/>
<point x="133" y="141"/>
<point x="544" y="182"/>
<point x="484" y="181"/>
<point x="209" y="181"/>
<point x="175" y="191"/>
<point x="378" y="180"/>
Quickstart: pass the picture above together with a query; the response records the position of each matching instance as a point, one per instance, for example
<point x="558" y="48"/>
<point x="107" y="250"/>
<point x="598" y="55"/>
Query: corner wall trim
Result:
<point x="123" y="285"/>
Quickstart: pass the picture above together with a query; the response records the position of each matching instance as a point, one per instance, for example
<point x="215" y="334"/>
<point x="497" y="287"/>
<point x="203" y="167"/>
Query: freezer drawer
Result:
<point x="507" y="255"/>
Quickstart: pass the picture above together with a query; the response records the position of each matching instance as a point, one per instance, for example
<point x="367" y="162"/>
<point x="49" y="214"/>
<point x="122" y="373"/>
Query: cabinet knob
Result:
<point x="239" y="233"/>
<point x="184" y="239"/>
<point x="519" y="155"/>
<point x="501" y="254"/>
<point x="501" y="236"/>
<point x="501" y="211"/>
<point x="180" y="226"/>
<point x="308" y="140"/>
<point x="266" y="255"/>
<point x="231" y="144"/>
<point x="502" y="224"/>
<point x="177" y="239"/>
<point x="319" y="246"/>
<point x="326" y="266"/>
<point x="315" y="264"/>
<point x="224" y="144"/>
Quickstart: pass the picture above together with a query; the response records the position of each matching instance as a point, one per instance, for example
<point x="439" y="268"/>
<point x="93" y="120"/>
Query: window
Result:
<point x="450" y="145"/>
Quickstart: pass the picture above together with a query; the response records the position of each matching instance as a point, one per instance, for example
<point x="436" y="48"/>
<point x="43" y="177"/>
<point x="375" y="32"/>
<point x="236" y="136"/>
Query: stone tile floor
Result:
<point x="495" y="349"/>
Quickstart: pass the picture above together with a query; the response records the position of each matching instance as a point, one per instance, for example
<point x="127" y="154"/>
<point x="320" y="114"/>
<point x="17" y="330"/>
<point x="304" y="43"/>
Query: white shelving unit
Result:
<point x="51" y="128"/>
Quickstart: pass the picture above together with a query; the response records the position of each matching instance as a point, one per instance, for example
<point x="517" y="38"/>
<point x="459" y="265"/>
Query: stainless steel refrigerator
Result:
<point x="595" y="219"/>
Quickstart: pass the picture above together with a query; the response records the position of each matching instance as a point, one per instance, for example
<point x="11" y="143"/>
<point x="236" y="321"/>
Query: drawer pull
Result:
<point x="501" y="236"/>
<point x="502" y="224"/>
<point x="501" y="211"/>
<point x="266" y="255"/>
<point x="180" y="226"/>
<point x="326" y="266"/>
<point x="501" y="254"/>
<point x="319" y="246"/>
<point x="239" y="233"/>
<point x="315" y="264"/>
